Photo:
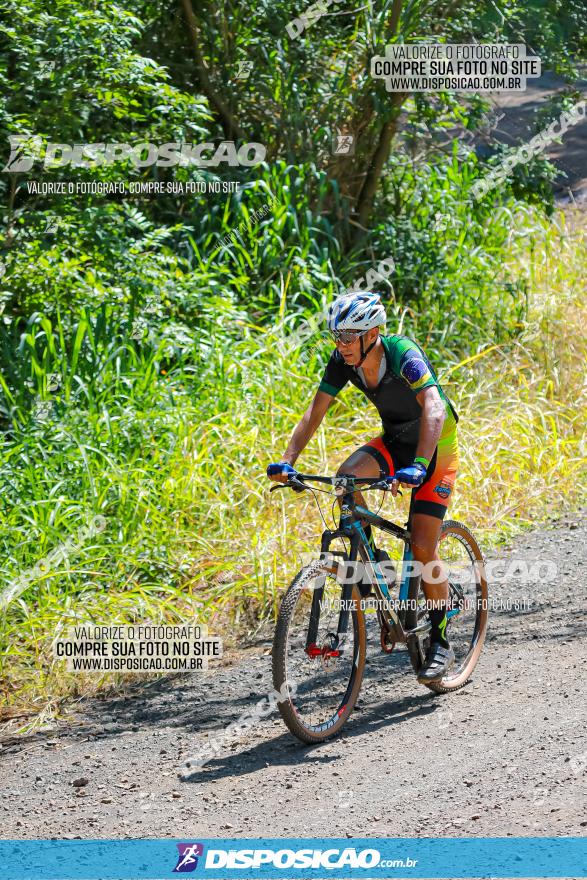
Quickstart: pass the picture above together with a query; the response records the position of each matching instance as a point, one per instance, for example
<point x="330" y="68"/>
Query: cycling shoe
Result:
<point x="437" y="663"/>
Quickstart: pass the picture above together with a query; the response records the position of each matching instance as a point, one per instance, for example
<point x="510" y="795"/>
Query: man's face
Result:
<point x="351" y="351"/>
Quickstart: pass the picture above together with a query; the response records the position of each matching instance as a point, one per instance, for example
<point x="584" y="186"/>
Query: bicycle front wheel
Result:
<point x="317" y="669"/>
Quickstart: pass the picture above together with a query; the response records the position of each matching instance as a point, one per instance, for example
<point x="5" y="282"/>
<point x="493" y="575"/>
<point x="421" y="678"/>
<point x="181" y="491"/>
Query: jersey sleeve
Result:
<point x="334" y="378"/>
<point x="415" y="369"/>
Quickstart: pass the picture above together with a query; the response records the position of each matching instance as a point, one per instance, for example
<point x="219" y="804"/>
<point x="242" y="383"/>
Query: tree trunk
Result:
<point x="359" y="175"/>
<point x="375" y="170"/>
<point x="231" y="127"/>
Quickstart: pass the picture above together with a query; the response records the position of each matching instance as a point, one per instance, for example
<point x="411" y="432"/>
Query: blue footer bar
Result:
<point x="304" y="858"/>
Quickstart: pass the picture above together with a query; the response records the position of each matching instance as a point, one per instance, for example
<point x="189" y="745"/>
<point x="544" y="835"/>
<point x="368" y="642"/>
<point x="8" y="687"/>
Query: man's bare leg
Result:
<point x="425" y="535"/>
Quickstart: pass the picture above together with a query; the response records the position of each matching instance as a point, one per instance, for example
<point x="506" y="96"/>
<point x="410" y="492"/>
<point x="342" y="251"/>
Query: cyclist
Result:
<point x="417" y="449"/>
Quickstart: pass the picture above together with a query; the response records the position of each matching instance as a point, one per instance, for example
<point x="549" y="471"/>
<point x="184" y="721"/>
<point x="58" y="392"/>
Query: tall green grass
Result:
<point x="172" y="449"/>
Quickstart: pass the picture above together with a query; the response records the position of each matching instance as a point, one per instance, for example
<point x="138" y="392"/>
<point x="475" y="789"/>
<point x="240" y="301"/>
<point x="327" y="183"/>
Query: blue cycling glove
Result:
<point x="282" y="469"/>
<point x="413" y="474"/>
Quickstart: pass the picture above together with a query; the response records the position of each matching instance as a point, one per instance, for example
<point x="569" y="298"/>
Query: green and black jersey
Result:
<point x="407" y="372"/>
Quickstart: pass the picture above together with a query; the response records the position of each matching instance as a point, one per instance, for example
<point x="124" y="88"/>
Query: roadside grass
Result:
<point x="192" y="532"/>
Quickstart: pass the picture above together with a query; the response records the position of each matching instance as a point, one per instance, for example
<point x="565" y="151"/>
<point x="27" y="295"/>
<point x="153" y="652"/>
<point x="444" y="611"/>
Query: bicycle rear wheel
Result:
<point x="468" y="592"/>
<point x="322" y="681"/>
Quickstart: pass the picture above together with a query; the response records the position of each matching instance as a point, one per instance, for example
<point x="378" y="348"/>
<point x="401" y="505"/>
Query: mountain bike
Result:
<point x="320" y="641"/>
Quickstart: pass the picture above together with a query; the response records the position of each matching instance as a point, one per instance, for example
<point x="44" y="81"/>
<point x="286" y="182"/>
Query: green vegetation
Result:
<point x="148" y="372"/>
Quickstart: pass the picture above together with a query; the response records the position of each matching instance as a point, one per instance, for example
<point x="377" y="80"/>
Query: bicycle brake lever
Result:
<point x="383" y="484"/>
<point x="291" y="484"/>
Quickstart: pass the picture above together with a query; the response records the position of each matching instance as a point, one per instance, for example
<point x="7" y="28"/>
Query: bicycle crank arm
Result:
<point x="421" y="628"/>
<point x="414" y="643"/>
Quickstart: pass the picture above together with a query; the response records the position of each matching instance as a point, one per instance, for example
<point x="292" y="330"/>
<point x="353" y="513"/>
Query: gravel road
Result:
<point x="507" y="755"/>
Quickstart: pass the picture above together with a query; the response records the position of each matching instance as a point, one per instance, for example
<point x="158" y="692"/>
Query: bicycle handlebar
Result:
<point x="297" y="482"/>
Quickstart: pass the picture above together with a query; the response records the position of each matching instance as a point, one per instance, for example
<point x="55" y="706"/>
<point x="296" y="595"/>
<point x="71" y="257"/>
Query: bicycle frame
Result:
<point x="350" y="526"/>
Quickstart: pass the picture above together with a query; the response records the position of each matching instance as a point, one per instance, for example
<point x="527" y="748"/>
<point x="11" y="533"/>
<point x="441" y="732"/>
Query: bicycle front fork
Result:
<point x="334" y="642"/>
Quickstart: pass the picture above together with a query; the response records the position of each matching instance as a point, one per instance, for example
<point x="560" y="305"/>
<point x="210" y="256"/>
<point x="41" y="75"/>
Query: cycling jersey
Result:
<point x="407" y="372"/>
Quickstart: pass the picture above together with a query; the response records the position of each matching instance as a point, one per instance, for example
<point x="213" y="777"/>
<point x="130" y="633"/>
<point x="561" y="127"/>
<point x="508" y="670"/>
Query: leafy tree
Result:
<point x="303" y="89"/>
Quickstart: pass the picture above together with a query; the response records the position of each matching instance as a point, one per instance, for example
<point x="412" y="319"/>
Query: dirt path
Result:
<point x="505" y="756"/>
<point x="515" y="112"/>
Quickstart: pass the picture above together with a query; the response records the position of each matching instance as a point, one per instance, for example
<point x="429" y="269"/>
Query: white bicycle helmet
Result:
<point x="358" y="310"/>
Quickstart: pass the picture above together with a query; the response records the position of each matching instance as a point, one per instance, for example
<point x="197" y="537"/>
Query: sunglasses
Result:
<point x="346" y="336"/>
